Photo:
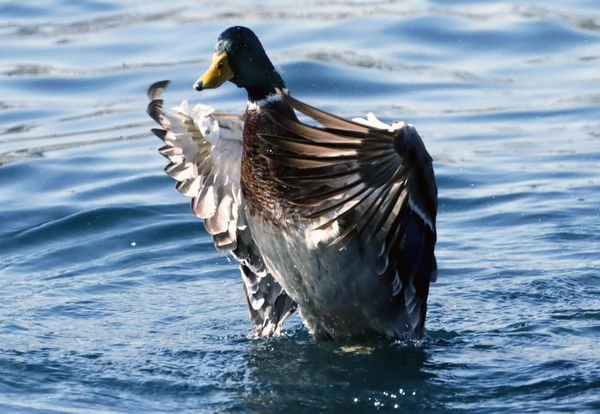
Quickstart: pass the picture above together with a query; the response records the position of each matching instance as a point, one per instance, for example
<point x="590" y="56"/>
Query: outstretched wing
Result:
<point x="204" y="149"/>
<point x="369" y="180"/>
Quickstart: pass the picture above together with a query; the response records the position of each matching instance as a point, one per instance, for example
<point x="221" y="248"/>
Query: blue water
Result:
<point x="113" y="299"/>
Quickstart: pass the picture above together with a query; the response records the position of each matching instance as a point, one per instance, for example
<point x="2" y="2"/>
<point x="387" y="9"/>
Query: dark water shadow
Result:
<point x="300" y="374"/>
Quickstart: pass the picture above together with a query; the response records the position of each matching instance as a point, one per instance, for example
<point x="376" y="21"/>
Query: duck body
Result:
<point x="333" y="288"/>
<point x="339" y="290"/>
<point x="337" y="219"/>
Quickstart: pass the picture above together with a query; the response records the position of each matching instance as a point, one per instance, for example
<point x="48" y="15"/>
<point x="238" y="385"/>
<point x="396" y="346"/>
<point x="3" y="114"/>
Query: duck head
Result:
<point x="240" y="58"/>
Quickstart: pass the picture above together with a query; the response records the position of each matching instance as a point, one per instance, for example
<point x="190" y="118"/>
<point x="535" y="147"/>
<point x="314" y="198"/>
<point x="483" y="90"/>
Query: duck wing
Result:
<point x="365" y="179"/>
<point x="204" y="149"/>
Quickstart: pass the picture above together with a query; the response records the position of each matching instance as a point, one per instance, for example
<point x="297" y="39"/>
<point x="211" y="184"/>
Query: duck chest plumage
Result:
<point x="265" y="195"/>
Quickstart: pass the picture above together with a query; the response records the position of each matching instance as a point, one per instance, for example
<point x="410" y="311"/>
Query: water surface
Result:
<point x="113" y="298"/>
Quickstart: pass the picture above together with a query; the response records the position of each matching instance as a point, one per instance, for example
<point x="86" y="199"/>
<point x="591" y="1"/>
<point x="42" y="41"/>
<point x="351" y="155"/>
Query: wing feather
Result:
<point x="375" y="181"/>
<point x="204" y="150"/>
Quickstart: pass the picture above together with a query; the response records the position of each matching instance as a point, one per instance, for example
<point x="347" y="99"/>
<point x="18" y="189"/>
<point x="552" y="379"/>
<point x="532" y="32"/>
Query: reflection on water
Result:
<point x="114" y="299"/>
<point x="305" y="374"/>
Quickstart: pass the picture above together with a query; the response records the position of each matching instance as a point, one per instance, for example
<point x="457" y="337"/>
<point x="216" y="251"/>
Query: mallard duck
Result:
<point x="338" y="220"/>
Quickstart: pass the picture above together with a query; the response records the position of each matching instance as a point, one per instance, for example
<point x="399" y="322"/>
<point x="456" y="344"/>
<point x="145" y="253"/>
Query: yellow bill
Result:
<point x="218" y="72"/>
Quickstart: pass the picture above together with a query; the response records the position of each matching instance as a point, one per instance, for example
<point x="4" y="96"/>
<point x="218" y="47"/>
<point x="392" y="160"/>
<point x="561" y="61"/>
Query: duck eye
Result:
<point x="219" y="65"/>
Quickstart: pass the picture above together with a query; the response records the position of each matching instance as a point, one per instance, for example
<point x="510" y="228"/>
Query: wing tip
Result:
<point x="157" y="88"/>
